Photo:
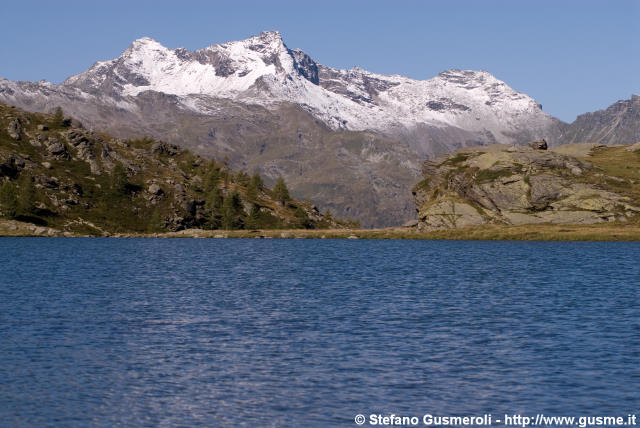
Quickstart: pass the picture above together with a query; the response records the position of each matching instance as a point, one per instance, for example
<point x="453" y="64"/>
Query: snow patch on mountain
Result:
<point x="262" y="70"/>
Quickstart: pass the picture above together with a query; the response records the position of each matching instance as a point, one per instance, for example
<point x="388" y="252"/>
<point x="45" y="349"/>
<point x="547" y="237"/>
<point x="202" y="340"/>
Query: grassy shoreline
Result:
<point x="540" y="232"/>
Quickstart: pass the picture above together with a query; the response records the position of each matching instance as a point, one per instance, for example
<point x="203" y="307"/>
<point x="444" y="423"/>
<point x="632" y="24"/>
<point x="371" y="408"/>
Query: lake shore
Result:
<point x="540" y="232"/>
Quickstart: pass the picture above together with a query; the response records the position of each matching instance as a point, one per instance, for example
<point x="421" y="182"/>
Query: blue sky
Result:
<point x="571" y="56"/>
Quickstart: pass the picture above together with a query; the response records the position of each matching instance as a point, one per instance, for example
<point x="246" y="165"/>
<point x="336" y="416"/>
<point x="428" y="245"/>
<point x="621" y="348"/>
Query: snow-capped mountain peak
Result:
<point x="263" y="70"/>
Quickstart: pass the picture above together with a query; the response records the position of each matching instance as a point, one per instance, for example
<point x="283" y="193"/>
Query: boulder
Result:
<point x="634" y="147"/>
<point x="538" y="145"/>
<point x="56" y="148"/>
<point x="164" y="148"/>
<point x="410" y="223"/>
<point x="154" y="189"/>
<point x="14" y="129"/>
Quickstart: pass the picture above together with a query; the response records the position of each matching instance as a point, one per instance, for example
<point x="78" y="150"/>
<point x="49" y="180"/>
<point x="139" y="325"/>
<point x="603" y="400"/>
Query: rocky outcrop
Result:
<point x="524" y="185"/>
<point x="14" y="129"/>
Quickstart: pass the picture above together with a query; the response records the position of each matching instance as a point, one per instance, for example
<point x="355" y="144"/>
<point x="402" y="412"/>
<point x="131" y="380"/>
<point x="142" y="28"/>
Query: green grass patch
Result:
<point x="486" y="175"/>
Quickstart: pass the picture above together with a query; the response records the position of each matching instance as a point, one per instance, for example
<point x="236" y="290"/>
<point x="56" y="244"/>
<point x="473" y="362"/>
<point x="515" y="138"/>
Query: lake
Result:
<point x="222" y="332"/>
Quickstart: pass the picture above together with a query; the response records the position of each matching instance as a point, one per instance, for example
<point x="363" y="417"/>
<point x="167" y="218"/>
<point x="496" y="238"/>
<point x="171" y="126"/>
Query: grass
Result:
<point x="540" y="232"/>
<point x="457" y="159"/>
<point x="485" y="175"/>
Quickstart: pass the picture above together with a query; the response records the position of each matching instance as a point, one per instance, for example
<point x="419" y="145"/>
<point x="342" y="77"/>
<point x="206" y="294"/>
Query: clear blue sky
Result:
<point x="571" y="56"/>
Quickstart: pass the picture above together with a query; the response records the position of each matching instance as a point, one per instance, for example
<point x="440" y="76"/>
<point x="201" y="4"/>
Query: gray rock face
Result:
<point x="56" y="148"/>
<point x="14" y="129"/>
<point x="617" y="124"/>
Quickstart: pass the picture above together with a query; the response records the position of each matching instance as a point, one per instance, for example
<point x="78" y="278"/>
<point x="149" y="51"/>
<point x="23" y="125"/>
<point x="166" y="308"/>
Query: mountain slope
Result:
<point x="66" y="177"/>
<point x="346" y="139"/>
<point x="617" y="124"/>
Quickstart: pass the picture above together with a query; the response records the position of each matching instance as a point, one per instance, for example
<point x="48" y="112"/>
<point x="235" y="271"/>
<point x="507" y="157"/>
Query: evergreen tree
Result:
<point x="214" y="200"/>
<point x="257" y="180"/>
<point x="26" y="197"/>
<point x="156" y="223"/>
<point x="280" y="191"/>
<point x="212" y="177"/>
<point x="119" y="180"/>
<point x="242" y="178"/>
<point x="302" y="219"/>
<point x="213" y="205"/>
<point x="254" y="187"/>
<point x="253" y="219"/>
<point x="58" y="117"/>
<point x="9" y="200"/>
<point x="232" y="211"/>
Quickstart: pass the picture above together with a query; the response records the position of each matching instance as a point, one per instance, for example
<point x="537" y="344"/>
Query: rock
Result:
<point x="48" y="182"/>
<point x="47" y="165"/>
<point x="154" y="189"/>
<point x="56" y="148"/>
<point x="164" y="148"/>
<point x="14" y="129"/>
<point x="448" y="214"/>
<point x="634" y="147"/>
<point x="410" y="223"/>
<point x="538" y="145"/>
<point x="43" y="128"/>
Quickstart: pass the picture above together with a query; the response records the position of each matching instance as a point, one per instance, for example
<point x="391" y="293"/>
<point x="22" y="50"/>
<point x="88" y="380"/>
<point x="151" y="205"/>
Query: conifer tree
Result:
<point x="281" y="192"/>
<point x="212" y="177"/>
<point x="303" y="219"/>
<point x="242" y="178"/>
<point x="155" y="222"/>
<point x="254" y="187"/>
<point x="213" y="206"/>
<point x="9" y="200"/>
<point x="232" y="211"/>
<point x="58" y="117"/>
<point x="26" y="197"/>
<point x="119" y="180"/>
<point x="253" y="219"/>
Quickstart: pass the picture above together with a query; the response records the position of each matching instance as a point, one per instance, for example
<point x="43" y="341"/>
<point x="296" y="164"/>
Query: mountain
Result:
<point x="349" y="140"/>
<point x="506" y="185"/>
<point x="69" y="179"/>
<point x="617" y="124"/>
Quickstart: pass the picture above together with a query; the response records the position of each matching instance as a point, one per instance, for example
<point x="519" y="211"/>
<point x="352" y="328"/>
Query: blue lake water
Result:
<point x="191" y="332"/>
